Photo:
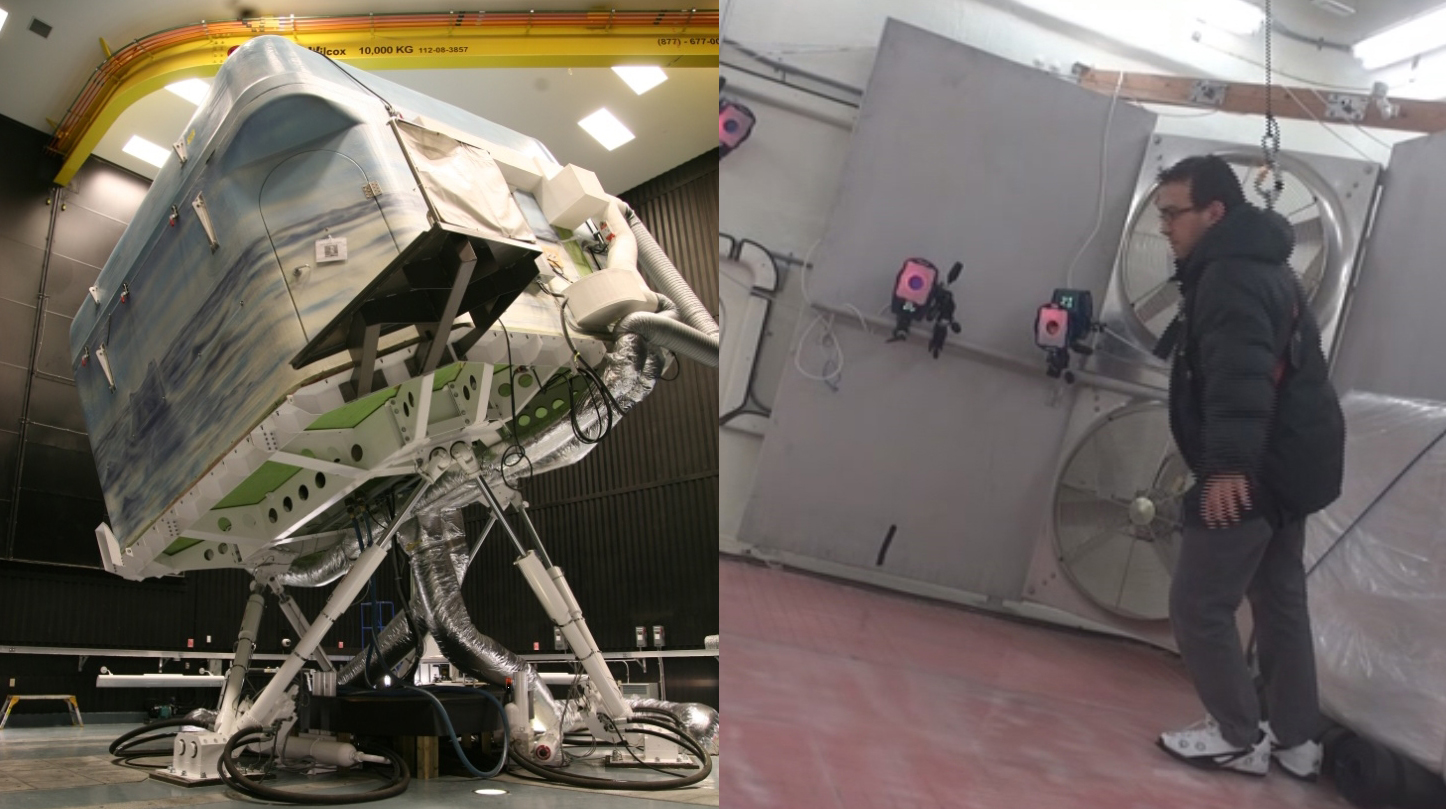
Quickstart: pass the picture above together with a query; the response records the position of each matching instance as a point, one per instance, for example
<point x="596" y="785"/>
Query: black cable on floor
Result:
<point x="234" y="778"/>
<point x="683" y="739"/>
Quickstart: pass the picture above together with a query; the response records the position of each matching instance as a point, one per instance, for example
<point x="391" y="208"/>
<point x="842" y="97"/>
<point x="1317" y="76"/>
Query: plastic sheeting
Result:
<point x="1377" y="578"/>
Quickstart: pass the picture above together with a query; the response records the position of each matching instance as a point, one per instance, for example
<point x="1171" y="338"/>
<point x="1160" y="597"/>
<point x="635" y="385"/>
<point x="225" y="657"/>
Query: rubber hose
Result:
<point x="682" y="739"/>
<point x="457" y="744"/>
<point x="662" y="330"/>
<point x="402" y="777"/>
<point x="180" y="721"/>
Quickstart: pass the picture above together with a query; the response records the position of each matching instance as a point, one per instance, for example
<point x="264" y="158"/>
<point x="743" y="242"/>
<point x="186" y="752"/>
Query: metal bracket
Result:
<point x="372" y="190"/>
<point x="180" y="147"/>
<point x="199" y="203"/>
<point x="1344" y="107"/>
<point x="1208" y="93"/>
<point x="105" y="365"/>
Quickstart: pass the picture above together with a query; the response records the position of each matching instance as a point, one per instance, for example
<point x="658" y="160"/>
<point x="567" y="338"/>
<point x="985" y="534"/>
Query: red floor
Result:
<point x="837" y="696"/>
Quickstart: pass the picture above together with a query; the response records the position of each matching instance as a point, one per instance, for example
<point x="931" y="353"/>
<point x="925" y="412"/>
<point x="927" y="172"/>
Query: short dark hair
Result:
<point x="1211" y="179"/>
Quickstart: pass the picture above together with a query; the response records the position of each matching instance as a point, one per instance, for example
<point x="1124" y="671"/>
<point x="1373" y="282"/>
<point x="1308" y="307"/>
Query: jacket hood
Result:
<point x="1249" y="233"/>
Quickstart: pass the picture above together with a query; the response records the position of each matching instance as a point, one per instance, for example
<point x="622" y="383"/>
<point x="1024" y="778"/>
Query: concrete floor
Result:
<point x="840" y="697"/>
<point x="68" y="768"/>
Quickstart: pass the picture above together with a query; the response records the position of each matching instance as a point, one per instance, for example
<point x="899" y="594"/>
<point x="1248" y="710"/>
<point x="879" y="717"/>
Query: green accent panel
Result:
<point x="557" y="391"/>
<point x="179" y="545"/>
<point x="579" y="260"/>
<point x="262" y="482"/>
<point x="445" y="376"/>
<point x="355" y="413"/>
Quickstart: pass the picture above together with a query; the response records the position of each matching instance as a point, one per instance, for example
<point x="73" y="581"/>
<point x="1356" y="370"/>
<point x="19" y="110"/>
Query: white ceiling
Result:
<point x="1371" y="16"/>
<point x="673" y="122"/>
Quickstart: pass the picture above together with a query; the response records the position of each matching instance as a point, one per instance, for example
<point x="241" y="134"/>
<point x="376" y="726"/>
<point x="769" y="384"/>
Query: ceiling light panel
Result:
<point x="607" y="129"/>
<point x="1399" y="43"/>
<point x="139" y="147"/>
<point x="641" y="78"/>
<point x="193" y="90"/>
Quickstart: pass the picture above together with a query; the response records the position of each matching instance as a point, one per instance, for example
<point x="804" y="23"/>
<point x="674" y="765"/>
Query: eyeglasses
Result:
<point x="1168" y="215"/>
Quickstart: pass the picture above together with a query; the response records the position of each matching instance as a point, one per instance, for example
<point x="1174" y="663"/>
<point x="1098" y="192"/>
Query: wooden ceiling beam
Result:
<point x="1327" y="106"/>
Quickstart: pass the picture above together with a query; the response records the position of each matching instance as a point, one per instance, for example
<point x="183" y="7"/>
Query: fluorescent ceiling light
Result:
<point x="1424" y="33"/>
<point x="138" y="146"/>
<point x="490" y="791"/>
<point x="608" y="130"/>
<point x="1234" y="16"/>
<point x="3" y="15"/>
<point x="193" y="90"/>
<point x="642" y="78"/>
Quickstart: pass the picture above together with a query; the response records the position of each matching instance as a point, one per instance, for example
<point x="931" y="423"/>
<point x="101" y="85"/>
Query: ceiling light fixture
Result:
<point x="490" y="791"/>
<point x="607" y="129"/>
<point x="641" y="78"/>
<point x="1234" y="16"/>
<point x="193" y="90"/>
<point x="139" y="147"/>
<point x="3" y="15"/>
<point x="1399" y="43"/>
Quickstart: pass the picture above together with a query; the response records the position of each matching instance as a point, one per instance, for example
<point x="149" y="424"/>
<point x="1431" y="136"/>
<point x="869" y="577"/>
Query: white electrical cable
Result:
<point x="1104" y="176"/>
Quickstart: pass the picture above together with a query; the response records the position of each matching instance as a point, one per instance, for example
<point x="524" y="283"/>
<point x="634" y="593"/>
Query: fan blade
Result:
<point x="1163" y="298"/>
<point x="1308" y="231"/>
<point x="1094" y="543"/>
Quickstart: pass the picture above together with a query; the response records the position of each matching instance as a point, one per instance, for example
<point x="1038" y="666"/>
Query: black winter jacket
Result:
<point x="1243" y="314"/>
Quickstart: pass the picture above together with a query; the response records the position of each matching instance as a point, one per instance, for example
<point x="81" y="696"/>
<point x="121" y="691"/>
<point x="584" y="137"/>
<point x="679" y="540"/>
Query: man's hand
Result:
<point x="1225" y="498"/>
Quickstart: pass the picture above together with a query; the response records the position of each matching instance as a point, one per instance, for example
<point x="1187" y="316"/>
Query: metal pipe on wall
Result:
<point x="1007" y="361"/>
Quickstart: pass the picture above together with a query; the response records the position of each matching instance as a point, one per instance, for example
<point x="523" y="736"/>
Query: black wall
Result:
<point x="634" y="524"/>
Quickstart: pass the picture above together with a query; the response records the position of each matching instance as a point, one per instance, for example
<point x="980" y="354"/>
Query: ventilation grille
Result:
<point x="39" y="27"/>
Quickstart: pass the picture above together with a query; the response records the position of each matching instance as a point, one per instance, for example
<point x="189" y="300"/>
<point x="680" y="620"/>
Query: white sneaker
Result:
<point x="1202" y="745"/>
<point x="1302" y="761"/>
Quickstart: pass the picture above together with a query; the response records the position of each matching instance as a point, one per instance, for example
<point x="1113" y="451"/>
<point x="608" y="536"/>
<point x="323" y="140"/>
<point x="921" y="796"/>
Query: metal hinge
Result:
<point x="372" y="190"/>
<point x="1344" y="107"/>
<point x="199" y="203"/>
<point x="105" y="365"/>
<point x="1209" y="93"/>
<point x="180" y="147"/>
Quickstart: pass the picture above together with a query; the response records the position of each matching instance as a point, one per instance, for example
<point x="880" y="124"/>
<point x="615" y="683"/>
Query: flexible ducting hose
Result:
<point x="659" y="269"/>
<point x="662" y="330"/>
<point x="701" y="721"/>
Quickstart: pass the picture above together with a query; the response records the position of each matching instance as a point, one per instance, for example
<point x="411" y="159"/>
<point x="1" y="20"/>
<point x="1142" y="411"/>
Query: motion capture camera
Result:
<point x="918" y="295"/>
<point x="735" y="124"/>
<point x="1060" y="327"/>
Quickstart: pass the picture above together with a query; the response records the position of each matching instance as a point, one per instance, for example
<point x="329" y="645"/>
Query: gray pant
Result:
<point x="1217" y="568"/>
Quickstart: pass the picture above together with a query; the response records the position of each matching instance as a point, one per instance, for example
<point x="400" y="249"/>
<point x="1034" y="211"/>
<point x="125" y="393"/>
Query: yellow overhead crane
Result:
<point x="684" y="38"/>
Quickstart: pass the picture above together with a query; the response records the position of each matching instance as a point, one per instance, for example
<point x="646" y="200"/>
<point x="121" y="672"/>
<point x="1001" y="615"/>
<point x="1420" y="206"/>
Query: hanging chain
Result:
<point x="1268" y="182"/>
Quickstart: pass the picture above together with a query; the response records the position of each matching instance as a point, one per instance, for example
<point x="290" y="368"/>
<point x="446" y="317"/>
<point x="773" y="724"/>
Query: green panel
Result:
<point x="262" y="482"/>
<point x="446" y="375"/>
<point x="355" y="413"/>
<point x="574" y="249"/>
<point x="556" y="390"/>
<point x="180" y="545"/>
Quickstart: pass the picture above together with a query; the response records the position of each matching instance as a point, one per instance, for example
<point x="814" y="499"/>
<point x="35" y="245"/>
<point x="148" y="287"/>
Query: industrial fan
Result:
<point x="1146" y="263"/>
<point x="1116" y="512"/>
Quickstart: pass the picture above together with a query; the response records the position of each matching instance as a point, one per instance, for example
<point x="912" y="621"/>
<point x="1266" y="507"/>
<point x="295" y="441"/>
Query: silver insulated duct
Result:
<point x="701" y="721"/>
<point x="435" y="540"/>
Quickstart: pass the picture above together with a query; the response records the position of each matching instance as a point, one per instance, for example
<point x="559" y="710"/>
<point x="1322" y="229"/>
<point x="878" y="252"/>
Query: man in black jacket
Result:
<point x="1257" y="421"/>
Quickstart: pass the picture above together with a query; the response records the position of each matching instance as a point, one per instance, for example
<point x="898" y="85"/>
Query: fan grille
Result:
<point x="1147" y="264"/>
<point x="1116" y="513"/>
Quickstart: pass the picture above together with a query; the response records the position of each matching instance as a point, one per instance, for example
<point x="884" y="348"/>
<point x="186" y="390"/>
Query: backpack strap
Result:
<point x="1283" y="355"/>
